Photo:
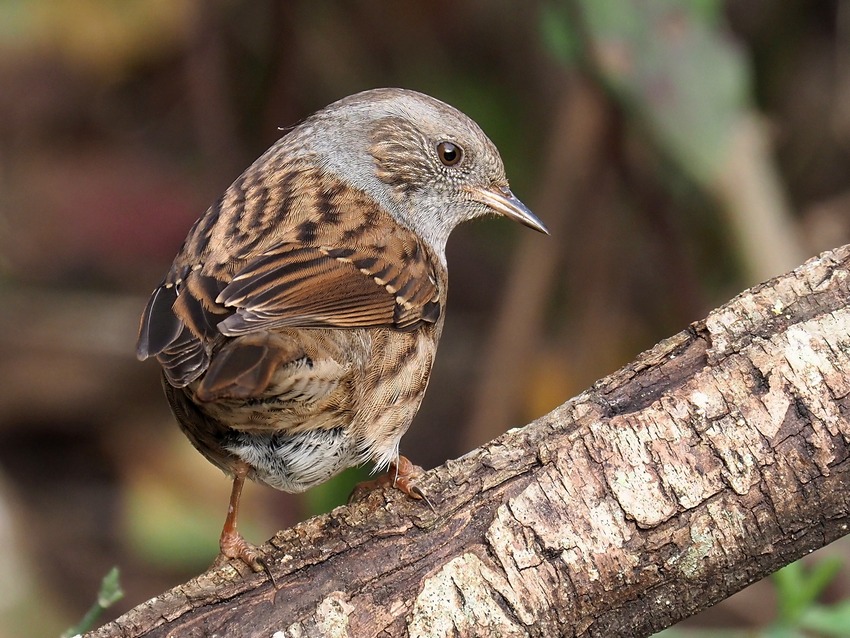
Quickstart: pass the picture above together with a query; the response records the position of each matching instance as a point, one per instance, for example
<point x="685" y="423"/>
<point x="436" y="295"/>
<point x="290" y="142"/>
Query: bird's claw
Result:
<point x="401" y="475"/>
<point x="234" y="545"/>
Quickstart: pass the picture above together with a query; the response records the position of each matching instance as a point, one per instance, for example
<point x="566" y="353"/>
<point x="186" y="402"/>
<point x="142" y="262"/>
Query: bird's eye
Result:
<point x="450" y="154"/>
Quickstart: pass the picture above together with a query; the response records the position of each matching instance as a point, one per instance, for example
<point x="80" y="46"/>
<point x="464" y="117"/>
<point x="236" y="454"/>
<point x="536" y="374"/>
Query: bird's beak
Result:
<point x="504" y="202"/>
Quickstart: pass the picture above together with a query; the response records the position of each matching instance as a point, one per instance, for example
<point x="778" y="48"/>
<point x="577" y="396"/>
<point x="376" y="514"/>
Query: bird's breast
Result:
<point x="395" y="383"/>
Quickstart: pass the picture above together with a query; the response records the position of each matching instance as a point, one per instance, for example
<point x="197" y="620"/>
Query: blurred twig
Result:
<point x="110" y="592"/>
<point x="750" y="190"/>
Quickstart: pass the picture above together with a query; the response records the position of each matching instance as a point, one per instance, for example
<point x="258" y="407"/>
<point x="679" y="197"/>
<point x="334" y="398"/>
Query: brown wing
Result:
<point x="388" y="283"/>
<point x="348" y="266"/>
<point x="179" y="324"/>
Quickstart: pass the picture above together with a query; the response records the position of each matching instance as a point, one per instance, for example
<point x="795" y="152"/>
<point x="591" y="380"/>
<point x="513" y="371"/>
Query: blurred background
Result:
<point x="679" y="151"/>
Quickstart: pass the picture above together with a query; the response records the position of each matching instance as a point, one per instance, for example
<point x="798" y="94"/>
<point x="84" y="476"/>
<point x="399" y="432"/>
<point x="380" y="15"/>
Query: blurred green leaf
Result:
<point x="673" y="65"/>
<point x="798" y="588"/>
<point x="558" y="34"/>
<point x="675" y="632"/>
<point x="832" y="621"/>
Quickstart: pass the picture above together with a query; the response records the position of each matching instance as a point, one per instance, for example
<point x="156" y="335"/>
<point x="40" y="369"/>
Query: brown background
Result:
<point x="121" y="122"/>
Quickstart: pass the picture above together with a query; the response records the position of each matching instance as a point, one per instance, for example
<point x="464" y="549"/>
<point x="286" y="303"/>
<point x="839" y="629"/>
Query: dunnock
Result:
<point x="297" y="326"/>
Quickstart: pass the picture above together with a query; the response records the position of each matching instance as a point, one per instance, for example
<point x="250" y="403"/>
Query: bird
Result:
<point x="297" y="326"/>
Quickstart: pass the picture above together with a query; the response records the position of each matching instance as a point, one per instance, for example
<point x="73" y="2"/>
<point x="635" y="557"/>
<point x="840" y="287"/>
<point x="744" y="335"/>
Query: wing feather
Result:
<point x="344" y="264"/>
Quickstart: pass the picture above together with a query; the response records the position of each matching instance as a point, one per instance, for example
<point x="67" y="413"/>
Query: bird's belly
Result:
<point x="294" y="462"/>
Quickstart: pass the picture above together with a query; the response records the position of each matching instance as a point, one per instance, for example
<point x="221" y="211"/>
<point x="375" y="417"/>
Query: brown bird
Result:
<point x="297" y="326"/>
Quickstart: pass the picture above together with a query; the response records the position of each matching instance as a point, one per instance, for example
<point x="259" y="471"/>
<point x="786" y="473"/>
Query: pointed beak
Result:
<point x="504" y="202"/>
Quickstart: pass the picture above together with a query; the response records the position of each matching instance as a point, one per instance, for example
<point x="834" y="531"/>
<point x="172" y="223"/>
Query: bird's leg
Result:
<point x="231" y="543"/>
<point x="402" y="475"/>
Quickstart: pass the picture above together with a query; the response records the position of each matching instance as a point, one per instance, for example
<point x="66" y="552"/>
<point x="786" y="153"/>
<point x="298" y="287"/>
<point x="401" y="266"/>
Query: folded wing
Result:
<point x="355" y="268"/>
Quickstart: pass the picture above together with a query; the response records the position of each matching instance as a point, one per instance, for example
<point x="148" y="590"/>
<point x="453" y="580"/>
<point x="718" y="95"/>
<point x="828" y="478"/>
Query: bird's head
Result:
<point x="428" y="163"/>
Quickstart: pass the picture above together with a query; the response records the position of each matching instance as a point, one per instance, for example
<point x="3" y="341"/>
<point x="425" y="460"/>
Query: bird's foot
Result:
<point x="401" y="475"/>
<point x="233" y="545"/>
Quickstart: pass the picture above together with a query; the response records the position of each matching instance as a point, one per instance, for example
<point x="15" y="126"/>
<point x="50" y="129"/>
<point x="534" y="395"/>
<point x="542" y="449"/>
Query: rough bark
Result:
<point x="709" y="462"/>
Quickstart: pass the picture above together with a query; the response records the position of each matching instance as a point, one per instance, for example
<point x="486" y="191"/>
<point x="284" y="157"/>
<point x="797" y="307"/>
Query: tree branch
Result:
<point x="709" y="462"/>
